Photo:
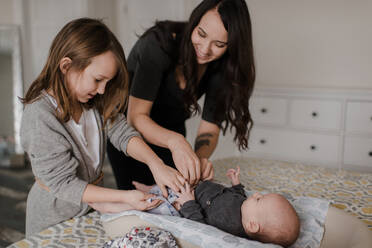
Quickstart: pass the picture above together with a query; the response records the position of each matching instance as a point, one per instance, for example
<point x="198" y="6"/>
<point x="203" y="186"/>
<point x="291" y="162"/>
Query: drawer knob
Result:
<point x="313" y="147"/>
<point x="264" y="110"/>
<point x="262" y="141"/>
<point x="314" y="114"/>
<point x="370" y="153"/>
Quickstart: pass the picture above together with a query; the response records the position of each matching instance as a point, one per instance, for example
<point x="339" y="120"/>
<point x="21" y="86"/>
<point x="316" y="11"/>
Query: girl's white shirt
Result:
<point x="86" y="133"/>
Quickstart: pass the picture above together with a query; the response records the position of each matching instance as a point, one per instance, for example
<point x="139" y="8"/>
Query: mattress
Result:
<point x="349" y="191"/>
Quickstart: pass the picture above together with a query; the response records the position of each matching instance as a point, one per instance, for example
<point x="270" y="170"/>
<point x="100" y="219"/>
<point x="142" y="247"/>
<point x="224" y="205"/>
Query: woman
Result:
<point x="171" y="66"/>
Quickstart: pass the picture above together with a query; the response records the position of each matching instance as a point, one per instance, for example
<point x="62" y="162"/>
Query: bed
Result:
<point x="348" y="191"/>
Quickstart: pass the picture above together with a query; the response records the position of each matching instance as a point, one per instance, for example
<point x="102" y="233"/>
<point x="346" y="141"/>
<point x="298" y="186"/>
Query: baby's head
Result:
<point x="270" y="218"/>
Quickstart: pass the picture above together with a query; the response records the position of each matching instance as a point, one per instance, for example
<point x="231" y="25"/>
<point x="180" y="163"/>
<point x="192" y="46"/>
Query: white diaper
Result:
<point x="166" y="208"/>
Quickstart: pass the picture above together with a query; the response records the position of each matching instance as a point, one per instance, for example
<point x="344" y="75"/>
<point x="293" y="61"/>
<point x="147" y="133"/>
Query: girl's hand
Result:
<point x="207" y="170"/>
<point x="185" y="159"/>
<point x="234" y="175"/>
<point x="186" y="194"/>
<point x="167" y="176"/>
<point x="139" y="200"/>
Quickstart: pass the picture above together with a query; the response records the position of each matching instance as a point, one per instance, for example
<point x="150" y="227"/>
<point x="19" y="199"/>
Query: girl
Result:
<point x="171" y="66"/>
<point x="70" y="109"/>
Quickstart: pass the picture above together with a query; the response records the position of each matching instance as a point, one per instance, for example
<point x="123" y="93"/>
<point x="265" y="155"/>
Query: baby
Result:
<point x="267" y="218"/>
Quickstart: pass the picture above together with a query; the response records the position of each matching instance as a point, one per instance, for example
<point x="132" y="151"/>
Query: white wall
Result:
<point x="135" y="16"/>
<point x="44" y="18"/>
<point x="40" y="20"/>
<point x="317" y="43"/>
<point x="6" y="12"/>
<point x="298" y="43"/>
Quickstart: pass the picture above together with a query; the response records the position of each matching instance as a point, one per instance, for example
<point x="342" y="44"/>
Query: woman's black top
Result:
<point x="152" y="77"/>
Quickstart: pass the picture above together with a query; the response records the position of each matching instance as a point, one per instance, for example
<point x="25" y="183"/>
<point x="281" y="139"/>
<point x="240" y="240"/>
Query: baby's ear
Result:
<point x="253" y="226"/>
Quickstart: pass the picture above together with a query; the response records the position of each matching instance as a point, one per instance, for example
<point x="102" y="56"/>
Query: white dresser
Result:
<point x="326" y="127"/>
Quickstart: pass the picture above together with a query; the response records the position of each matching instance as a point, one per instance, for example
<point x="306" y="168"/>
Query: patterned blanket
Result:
<point x="350" y="191"/>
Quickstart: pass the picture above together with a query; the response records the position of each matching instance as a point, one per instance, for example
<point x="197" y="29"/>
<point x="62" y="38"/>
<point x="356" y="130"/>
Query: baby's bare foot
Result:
<point x="142" y="187"/>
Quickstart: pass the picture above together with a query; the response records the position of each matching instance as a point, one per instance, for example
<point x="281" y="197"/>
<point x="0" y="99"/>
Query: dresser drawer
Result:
<point x="359" y="117"/>
<point x="316" y="114"/>
<point x="315" y="147"/>
<point x="358" y="151"/>
<point x="269" y="110"/>
<point x="268" y="141"/>
<point x="295" y="145"/>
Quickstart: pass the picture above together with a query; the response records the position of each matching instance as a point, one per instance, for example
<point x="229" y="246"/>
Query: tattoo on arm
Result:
<point x="202" y="140"/>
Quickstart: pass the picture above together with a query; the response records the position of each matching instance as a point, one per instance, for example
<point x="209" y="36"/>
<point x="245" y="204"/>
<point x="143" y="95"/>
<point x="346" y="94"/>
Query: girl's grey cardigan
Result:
<point x="57" y="161"/>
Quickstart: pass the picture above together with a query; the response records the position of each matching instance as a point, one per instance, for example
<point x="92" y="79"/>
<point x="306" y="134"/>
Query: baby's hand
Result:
<point x="234" y="175"/>
<point x="186" y="194"/>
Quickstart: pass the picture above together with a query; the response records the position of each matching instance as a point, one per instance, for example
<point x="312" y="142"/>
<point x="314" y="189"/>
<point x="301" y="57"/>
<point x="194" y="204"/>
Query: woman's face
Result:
<point x="93" y="79"/>
<point x="209" y="37"/>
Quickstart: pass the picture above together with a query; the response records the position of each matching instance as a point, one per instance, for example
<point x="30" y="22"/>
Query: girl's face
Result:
<point x="209" y="37"/>
<point x="93" y="79"/>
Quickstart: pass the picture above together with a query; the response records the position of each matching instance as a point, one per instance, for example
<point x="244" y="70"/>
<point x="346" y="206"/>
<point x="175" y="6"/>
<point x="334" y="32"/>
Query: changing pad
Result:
<point x="312" y="213"/>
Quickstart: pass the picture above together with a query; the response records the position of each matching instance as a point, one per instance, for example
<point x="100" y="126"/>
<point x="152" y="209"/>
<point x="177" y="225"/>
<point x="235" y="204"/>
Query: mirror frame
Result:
<point x="10" y="43"/>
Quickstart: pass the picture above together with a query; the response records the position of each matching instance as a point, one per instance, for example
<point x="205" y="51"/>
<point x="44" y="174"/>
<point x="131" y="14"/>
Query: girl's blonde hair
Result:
<point x="81" y="40"/>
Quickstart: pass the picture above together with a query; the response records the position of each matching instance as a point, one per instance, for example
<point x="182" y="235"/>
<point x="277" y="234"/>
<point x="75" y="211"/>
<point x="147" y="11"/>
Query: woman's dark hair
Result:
<point x="81" y="40"/>
<point x="237" y="63"/>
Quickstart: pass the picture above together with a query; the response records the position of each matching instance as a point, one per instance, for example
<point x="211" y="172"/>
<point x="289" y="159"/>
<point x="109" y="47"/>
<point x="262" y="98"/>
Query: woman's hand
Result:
<point x="140" y="201"/>
<point x="207" y="171"/>
<point x="186" y="194"/>
<point x="167" y="176"/>
<point x="185" y="159"/>
<point x="234" y="175"/>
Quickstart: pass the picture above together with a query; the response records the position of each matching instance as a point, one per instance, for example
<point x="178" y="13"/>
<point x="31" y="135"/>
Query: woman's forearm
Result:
<point x="139" y="117"/>
<point x="154" y="133"/>
<point x="206" y="139"/>
<point x="205" y="144"/>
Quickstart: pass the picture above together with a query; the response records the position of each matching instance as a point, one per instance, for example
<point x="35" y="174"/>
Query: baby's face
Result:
<point x="256" y="205"/>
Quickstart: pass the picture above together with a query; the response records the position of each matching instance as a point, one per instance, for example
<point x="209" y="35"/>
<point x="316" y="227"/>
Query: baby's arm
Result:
<point x="110" y="207"/>
<point x="234" y="175"/>
<point x="189" y="209"/>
